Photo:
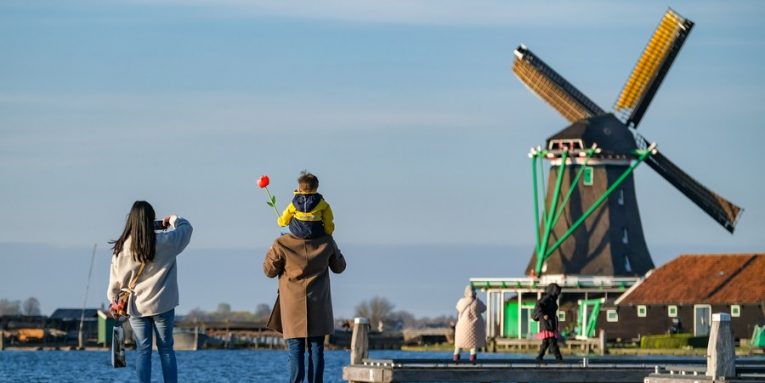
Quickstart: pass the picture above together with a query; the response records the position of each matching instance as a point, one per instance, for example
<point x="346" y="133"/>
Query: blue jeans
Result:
<point x="162" y="326"/>
<point x="315" y="359"/>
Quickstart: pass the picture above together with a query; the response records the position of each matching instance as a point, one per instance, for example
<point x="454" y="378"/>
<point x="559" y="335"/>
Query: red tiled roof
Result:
<point x="704" y="278"/>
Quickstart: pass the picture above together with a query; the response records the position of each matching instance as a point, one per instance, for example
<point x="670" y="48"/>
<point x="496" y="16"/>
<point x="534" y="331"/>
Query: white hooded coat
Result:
<point x="471" y="328"/>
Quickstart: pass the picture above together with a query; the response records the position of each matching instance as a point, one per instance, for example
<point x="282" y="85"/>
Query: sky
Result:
<point x="407" y="112"/>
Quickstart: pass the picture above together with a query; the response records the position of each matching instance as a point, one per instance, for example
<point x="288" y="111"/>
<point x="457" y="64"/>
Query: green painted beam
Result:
<point x="549" y="215"/>
<point x="642" y="155"/>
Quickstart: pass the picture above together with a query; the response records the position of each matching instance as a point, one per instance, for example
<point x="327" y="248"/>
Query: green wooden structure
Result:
<point x="758" y="336"/>
<point x="587" y="317"/>
<point x="517" y="323"/>
<point x="105" y="327"/>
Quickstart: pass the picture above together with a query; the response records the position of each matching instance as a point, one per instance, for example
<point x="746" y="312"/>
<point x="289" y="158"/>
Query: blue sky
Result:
<point x="407" y="112"/>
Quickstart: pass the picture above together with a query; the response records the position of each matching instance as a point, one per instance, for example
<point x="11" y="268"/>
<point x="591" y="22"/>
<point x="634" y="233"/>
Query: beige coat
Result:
<point x="156" y="290"/>
<point x="471" y="329"/>
<point x="304" y="293"/>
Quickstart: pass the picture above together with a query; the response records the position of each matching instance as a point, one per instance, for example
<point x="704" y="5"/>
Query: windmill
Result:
<point x="589" y="223"/>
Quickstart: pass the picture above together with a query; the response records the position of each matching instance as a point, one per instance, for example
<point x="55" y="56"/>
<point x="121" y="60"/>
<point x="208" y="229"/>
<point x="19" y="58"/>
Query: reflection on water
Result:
<point x="193" y="366"/>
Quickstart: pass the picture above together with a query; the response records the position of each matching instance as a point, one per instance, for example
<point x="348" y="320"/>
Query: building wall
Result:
<point x="657" y="320"/>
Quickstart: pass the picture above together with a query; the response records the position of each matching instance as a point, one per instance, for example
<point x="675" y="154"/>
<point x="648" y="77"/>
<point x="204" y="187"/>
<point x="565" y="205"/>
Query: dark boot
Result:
<point x="542" y="349"/>
<point x="555" y="350"/>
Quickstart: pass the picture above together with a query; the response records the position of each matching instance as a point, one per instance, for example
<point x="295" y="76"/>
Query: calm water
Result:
<point x="193" y="366"/>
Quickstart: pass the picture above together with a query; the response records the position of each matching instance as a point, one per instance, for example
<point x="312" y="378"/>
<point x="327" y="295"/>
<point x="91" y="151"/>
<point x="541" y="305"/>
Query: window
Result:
<point x="642" y="311"/>
<point x="702" y="319"/>
<point x="561" y="316"/>
<point x="627" y="264"/>
<point x="612" y="316"/>
<point x="735" y="311"/>
<point x="588" y="176"/>
<point x="625" y="237"/>
<point x="621" y="197"/>
<point x="672" y="311"/>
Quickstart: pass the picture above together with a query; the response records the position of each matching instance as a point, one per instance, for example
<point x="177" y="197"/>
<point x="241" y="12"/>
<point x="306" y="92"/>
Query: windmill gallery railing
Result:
<point x="551" y="215"/>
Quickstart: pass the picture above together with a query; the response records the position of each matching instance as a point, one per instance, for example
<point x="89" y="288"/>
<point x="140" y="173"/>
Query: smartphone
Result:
<point x="159" y="225"/>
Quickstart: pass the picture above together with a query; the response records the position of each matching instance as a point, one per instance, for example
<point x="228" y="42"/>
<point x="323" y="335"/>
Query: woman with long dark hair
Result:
<point x="144" y="265"/>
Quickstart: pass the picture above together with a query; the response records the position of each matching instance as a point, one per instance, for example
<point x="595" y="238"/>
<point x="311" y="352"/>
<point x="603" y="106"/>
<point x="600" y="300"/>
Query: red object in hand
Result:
<point x="116" y="306"/>
<point x="263" y="181"/>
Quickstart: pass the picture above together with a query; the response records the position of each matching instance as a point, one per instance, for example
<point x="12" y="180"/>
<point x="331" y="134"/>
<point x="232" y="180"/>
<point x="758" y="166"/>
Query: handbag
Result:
<point x="275" y="320"/>
<point x="125" y="293"/>
<point x="118" y="346"/>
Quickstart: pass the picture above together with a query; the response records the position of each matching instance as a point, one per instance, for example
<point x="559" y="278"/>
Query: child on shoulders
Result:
<point x="308" y="215"/>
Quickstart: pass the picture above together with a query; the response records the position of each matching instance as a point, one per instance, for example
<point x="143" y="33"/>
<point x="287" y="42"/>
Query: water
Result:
<point x="193" y="366"/>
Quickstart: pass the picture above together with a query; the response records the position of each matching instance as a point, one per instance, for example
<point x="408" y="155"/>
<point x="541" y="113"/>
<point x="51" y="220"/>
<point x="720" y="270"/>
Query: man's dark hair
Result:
<point x="308" y="182"/>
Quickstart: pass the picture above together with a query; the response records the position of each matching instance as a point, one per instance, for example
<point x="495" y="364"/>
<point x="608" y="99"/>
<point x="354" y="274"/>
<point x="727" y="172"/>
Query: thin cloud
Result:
<point x="216" y="113"/>
<point x="433" y="12"/>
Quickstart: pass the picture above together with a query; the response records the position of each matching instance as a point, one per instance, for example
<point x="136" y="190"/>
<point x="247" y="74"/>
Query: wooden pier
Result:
<point x="718" y="365"/>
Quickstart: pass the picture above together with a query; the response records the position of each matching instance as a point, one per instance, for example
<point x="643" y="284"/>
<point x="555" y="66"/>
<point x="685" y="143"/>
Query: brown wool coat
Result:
<point x="302" y="266"/>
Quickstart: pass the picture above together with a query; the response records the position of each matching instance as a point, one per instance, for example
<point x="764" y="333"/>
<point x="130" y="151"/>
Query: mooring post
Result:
<point x="359" y="340"/>
<point x="602" y="342"/>
<point x="721" y="351"/>
<point x="196" y="338"/>
<point x="2" y="341"/>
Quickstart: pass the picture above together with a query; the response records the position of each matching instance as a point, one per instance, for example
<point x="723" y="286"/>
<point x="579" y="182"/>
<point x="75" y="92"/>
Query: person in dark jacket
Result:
<point x="546" y="312"/>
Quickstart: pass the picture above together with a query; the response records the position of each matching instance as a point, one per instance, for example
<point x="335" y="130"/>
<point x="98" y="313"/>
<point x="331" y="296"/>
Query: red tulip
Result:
<point x="263" y="181"/>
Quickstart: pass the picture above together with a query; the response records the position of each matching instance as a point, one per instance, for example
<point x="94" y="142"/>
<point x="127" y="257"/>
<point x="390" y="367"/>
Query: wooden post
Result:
<point x="196" y="338"/>
<point x="602" y="342"/>
<point x="360" y="341"/>
<point x="2" y="340"/>
<point x="721" y="351"/>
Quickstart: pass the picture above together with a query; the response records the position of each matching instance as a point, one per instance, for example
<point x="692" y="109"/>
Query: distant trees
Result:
<point x="8" y="307"/>
<point x="379" y="309"/>
<point x="225" y="313"/>
<point x="224" y="309"/>
<point x="376" y="310"/>
<point x="263" y="311"/>
<point x="31" y="306"/>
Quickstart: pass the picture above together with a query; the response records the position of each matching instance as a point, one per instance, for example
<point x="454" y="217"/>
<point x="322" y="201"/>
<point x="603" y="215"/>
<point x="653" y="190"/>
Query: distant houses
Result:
<point x="61" y="328"/>
<point x="68" y="320"/>
<point x="678" y="297"/>
<point x="687" y="290"/>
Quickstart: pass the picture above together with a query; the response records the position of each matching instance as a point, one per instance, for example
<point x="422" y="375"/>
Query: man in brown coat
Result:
<point x="305" y="301"/>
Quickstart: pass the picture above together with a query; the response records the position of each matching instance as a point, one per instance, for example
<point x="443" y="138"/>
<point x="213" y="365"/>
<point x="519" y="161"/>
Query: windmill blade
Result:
<point x="572" y="104"/>
<point x="651" y="68"/>
<point x="720" y="209"/>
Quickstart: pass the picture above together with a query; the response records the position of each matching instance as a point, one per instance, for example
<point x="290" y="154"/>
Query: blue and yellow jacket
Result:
<point x="312" y="216"/>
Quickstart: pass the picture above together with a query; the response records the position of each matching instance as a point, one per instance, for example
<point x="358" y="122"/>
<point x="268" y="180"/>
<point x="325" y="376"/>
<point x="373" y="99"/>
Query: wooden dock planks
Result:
<point x="494" y="373"/>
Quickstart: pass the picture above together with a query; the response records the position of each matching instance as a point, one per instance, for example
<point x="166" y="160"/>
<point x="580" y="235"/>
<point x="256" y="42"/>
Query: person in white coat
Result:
<point x="144" y="265"/>
<point x="470" y="332"/>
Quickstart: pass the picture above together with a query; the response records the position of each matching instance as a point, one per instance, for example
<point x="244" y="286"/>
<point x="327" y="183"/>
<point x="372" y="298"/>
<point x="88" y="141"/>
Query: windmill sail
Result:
<point x="651" y="68"/>
<point x="572" y="104"/>
<point x="720" y="209"/>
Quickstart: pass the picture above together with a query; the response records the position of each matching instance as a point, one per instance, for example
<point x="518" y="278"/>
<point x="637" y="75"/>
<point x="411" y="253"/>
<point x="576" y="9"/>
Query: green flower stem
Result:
<point x="272" y="202"/>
